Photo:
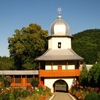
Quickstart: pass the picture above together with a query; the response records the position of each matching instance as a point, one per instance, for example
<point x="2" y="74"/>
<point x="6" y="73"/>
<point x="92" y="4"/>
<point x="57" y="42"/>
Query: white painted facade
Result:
<point x="50" y="82"/>
<point x="48" y="66"/>
<point x="65" y="42"/>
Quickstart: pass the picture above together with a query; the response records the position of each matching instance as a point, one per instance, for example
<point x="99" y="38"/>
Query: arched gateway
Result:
<point x="60" y="61"/>
<point x="60" y="86"/>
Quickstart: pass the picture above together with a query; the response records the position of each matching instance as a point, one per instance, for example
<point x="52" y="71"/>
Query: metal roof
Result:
<point x="18" y="72"/>
<point x="60" y="27"/>
<point x="59" y="54"/>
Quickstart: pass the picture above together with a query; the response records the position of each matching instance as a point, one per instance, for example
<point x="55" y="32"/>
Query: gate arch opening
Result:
<point x="60" y="86"/>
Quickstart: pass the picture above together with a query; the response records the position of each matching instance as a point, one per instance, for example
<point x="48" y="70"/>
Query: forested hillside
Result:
<point x="87" y="45"/>
<point x="6" y="63"/>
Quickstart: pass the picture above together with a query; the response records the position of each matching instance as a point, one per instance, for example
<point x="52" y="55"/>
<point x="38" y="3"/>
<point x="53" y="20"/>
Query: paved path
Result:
<point x="61" y="96"/>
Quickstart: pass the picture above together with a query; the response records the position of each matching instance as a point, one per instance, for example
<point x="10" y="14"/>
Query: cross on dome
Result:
<point x="59" y="10"/>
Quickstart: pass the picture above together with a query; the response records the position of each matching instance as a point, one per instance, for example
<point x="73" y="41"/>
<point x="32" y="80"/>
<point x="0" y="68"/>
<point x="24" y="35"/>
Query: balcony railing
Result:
<point x="59" y="73"/>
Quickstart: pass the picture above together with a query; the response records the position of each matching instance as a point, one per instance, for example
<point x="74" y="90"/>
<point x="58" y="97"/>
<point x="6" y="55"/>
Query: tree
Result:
<point x="83" y="75"/>
<point x="92" y="96"/>
<point x="35" y="82"/>
<point x="27" y="44"/>
<point x="6" y="63"/>
<point x="98" y="57"/>
<point x="94" y="75"/>
<point x="86" y="44"/>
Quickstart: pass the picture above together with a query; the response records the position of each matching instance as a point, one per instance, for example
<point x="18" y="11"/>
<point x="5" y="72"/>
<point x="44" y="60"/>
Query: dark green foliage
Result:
<point x="2" y="78"/>
<point x="41" y="90"/>
<point x="94" y="75"/>
<point x="24" y="94"/>
<point x="6" y="63"/>
<point x="90" y="78"/>
<point x="35" y="82"/>
<point x="83" y="76"/>
<point x="21" y="94"/>
<point x="11" y="96"/>
<point x="4" y="97"/>
<point x="5" y="80"/>
<point x="92" y="96"/>
<point x="98" y="57"/>
<point x="27" y="44"/>
<point x="17" y="92"/>
<point x="13" y="93"/>
<point x="7" y="83"/>
<point x="87" y="45"/>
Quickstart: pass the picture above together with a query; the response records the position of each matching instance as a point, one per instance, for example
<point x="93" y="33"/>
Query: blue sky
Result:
<point x="15" y="14"/>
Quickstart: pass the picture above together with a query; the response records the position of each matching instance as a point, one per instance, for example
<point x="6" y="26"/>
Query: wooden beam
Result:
<point x="39" y="66"/>
<point x="66" y="67"/>
<point x="52" y="66"/>
<point x="79" y="64"/>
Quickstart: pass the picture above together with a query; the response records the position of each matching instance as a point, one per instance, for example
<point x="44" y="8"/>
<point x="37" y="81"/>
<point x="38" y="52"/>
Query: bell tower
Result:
<point x="59" y="37"/>
<point x="61" y="62"/>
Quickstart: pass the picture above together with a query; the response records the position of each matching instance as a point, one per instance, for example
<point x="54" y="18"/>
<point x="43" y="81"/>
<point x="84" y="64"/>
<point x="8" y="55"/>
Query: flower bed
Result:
<point x="39" y="93"/>
<point x="80" y="93"/>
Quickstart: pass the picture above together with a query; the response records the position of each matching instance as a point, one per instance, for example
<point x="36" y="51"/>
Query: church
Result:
<point x="59" y="62"/>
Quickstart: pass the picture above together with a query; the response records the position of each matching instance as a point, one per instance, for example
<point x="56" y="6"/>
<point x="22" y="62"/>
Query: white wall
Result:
<point x="49" y="82"/>
<point x="65" y="42"/>
<point x="50" y="43"/>
<point x="48" y="65"/>
<point x="71" y="66"/>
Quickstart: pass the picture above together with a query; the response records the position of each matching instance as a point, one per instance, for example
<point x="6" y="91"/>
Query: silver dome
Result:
<point x="60" y="27"/>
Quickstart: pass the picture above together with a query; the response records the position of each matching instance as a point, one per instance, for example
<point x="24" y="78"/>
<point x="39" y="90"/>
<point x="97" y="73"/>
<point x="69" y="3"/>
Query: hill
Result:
<point x="87" y="45"/>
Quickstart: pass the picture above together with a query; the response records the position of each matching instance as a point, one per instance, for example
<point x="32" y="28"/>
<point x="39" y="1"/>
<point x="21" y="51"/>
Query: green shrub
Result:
<point x="48" y="91"/>
<point x="5" y="96"/>
<point x="41" y="90"/>
<point x="35" y="82"/>
<point x="24" y="93"/>
<point x="99" y="96"/>
<point x="17" y="93"/>
<point x="7" y="81"/>
<point x="92" y="96"/>
<point x="11" y="96"/>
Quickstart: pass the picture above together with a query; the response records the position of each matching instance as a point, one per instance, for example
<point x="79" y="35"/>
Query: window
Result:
<point x="59" y="44"/>
<point x="29" y="78"/>
<point x="17" y="79"/>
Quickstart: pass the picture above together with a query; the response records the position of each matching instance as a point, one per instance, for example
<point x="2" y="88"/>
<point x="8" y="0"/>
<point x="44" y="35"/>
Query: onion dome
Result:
<point x="59" y="26"/>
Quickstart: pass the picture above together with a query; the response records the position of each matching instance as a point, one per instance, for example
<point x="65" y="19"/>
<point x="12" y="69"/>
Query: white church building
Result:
<point x="59" y="62"/>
